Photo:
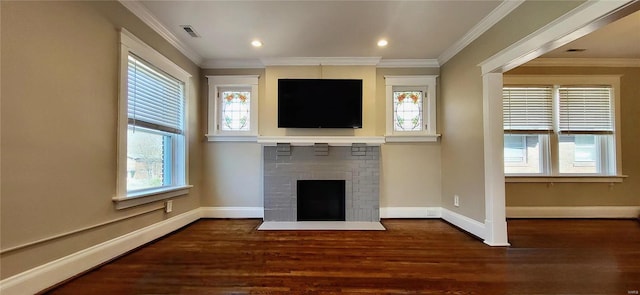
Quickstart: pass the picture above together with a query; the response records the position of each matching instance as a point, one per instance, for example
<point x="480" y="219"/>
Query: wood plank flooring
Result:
<point x="411" y="257"/>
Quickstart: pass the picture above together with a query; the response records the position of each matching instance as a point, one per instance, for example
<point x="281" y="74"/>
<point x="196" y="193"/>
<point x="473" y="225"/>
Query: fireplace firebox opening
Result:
<point x="321" y="200"/>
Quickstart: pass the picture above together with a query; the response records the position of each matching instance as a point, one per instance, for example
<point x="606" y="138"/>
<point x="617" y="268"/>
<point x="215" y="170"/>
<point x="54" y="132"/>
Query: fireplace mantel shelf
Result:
<point x="331" y="140"/>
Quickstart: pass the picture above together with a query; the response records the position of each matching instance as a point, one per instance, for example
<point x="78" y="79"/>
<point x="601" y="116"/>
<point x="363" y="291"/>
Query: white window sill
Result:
<point x="412" y="138"/>
<point x="150" y="196"/>
<point x="567" y="179"/>
<point x="231" y="138"/>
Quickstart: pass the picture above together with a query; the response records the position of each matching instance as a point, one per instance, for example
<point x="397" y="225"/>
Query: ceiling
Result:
<point x="619" y="39"/>
<point x="424" y="30"/>
<point x="414" y="29"/>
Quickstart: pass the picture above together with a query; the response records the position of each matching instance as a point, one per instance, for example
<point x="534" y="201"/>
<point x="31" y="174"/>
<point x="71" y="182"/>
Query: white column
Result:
<point x="495" y="206"/>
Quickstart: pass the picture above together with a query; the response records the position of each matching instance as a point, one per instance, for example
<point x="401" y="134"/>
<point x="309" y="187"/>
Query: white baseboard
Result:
<point x="410" y="212"/>
<point x="574" y="212"/>
<point x="467" y="224"/>
<point x="49" y="274"/>
<point x="232" y="212"/>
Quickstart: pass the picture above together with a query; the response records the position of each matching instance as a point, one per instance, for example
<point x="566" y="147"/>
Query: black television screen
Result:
<point x="319" y="103"/>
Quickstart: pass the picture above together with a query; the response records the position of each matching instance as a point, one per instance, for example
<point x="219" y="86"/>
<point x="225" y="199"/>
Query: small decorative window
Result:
<point x="233" y="108"/>
<point x="411" y="108"/>
<point x="407" y="110"/>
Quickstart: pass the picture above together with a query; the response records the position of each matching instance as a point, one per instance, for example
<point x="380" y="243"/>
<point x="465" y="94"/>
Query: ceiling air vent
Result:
<point x="189" y="29"/>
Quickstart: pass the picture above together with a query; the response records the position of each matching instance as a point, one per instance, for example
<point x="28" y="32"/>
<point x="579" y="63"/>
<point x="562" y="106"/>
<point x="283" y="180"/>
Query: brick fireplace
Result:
<point x="357" y="165"/>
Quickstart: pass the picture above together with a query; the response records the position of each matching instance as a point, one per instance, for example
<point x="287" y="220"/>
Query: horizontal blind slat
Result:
<point x="155" y="99"/>
<point x="527" y="108"/>
<point x="585" y="109"/>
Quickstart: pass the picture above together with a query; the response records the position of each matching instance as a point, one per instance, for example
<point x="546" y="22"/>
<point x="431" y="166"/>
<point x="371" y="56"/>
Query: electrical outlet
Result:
<point x="168" y="206"/>
<point x="456" y="201"/>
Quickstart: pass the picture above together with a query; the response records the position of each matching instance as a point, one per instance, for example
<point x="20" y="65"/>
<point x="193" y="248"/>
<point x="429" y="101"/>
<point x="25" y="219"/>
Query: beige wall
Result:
<point x="232" y="171"/>
<point x="461" y="104"/>
<point x="60" y="66"/>
<point x="410" y="173"/>
<point x="269" y="101"/>
<point x="592" y="194"/>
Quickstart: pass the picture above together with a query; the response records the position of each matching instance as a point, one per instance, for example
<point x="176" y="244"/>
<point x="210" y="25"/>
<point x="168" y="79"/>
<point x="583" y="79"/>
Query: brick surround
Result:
<point x="357" y="165"/>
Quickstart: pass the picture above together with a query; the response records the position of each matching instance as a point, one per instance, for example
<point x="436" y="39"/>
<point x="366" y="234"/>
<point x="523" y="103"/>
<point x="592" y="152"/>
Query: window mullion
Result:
<point x="553" y="146"/>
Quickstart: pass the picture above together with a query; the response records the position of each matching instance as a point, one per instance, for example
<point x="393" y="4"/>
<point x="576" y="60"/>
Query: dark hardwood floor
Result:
<point x="411" y="257"/>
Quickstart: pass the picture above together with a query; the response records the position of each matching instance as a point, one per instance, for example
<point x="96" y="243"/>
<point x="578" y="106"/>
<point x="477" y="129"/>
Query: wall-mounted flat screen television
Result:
<point x="319" y="103"/>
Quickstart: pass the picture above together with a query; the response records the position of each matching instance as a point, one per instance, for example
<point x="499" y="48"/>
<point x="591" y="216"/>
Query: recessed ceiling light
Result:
<point x="382" y="43"/>
<point x="256" y="43"/>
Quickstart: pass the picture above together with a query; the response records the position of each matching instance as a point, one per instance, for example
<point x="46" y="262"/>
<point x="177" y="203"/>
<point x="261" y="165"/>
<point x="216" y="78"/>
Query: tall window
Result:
<point x="155" y="133"/>
<point x="559" y="130"/>
<point x="152" y="145"/>
<point x="586" y="130"/>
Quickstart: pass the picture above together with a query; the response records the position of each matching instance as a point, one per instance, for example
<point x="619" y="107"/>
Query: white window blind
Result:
<point x="155" y="99"/>
<point x="586" y="110"/>
<point x="527" y="109"/>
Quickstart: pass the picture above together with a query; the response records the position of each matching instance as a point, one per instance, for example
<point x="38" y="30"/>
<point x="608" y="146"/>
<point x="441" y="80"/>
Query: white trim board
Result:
<point x="331" y="140"/>
<point x="584" y="62"/>
<point x="480" y="28"/>
<point x="139" y="10"/>
<point x="410" y="212"/>
<point x="467" y="224"/>
<point x="232" y="212"/>
<point x="49" y="274"/>
<point x="574" y="212"/>
<point x="574" y="24"/>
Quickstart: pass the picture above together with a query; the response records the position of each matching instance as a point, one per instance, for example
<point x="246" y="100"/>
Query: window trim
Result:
<point x="568" y="80"/>
<point x="429" y="102"/>
<point x="213" y="109"/>
<point x="131" y="44"/>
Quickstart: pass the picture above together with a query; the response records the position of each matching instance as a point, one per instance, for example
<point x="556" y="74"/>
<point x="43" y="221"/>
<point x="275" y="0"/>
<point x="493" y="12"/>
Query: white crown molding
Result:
<point x="585" y="62"/>
<point x="485" y="24"/>
<point x="321" y="61"/>
<point x="238" y="63"/>
<point x="408" y="63"/>
<point x="147" y="17"/>
<point x="572" y="25"/>
<point x="318" y="61"/>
